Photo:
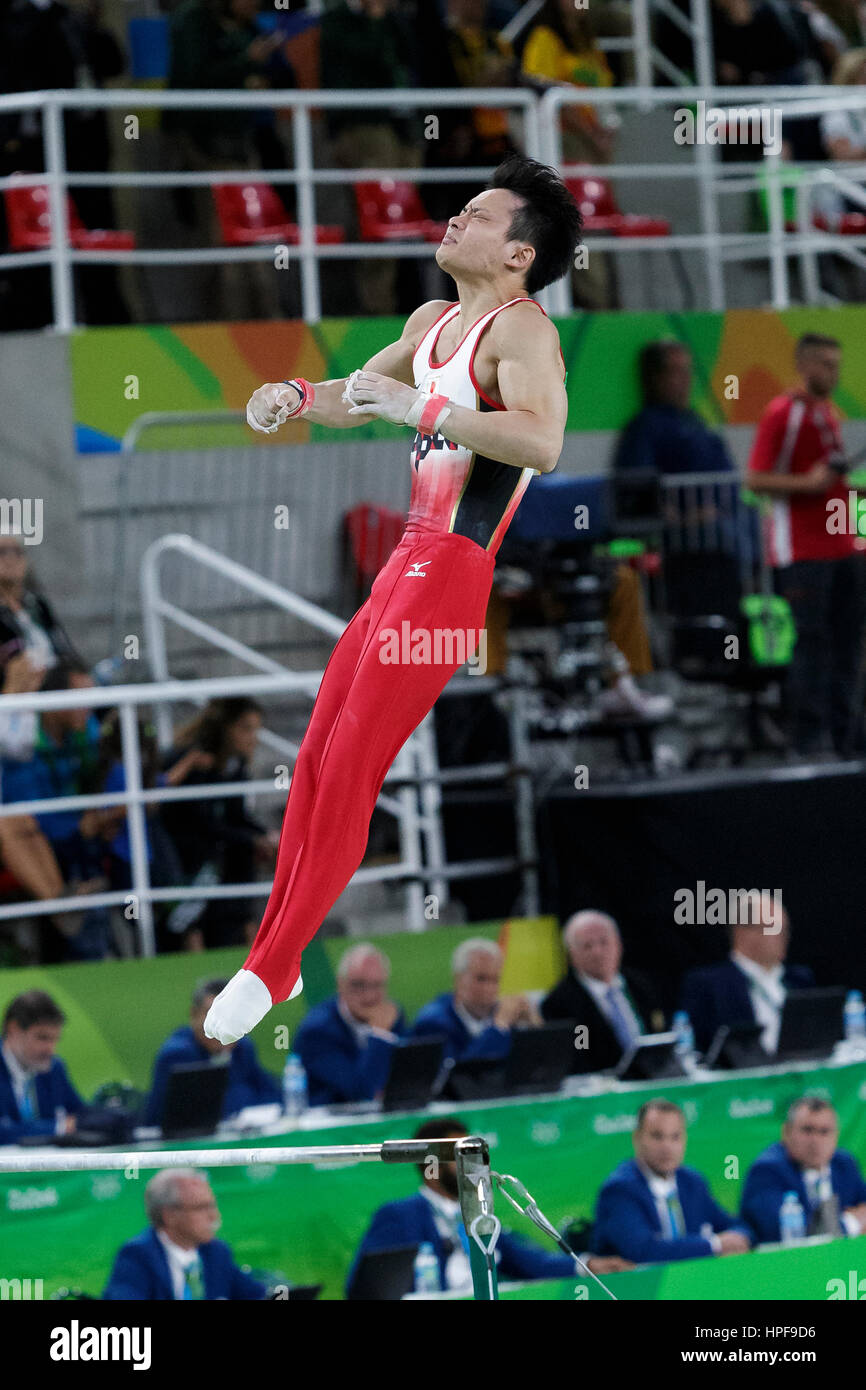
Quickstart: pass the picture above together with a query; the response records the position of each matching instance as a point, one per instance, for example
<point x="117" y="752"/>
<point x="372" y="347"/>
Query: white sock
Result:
<point x="240" y="1006"/>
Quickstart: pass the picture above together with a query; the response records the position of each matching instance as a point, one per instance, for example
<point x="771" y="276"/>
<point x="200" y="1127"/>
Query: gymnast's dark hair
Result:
<point x="549" y="220"/>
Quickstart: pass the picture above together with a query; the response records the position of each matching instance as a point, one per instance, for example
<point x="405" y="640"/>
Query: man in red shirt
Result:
<point x="798" y="460"/>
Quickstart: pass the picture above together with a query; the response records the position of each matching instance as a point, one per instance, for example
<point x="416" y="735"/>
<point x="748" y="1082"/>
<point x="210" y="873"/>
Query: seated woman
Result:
<point x="216" y="838"/>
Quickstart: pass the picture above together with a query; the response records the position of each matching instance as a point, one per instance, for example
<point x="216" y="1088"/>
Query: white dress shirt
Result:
<point x="448" y="1218"/>
<point x="179" y="1261"/>
<point x="599" y="991"/>
<point x="474" y="1025"/>
<point x="362" y="1031"/>
<point x="662" y="1189"/>
<point x="767" y="993"/>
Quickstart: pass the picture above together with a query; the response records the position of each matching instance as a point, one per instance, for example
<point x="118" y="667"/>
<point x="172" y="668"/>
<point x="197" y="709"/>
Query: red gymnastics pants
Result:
<point x="365" y="710"/>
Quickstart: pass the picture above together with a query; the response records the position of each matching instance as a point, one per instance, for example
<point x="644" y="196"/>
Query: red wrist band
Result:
<point x="308" y="397"/>
<point x="431" y="414"/>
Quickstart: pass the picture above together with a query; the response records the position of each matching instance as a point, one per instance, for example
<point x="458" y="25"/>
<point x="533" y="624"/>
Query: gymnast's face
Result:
<point x="660" y="1143"/>
<point x="477" y="245"/>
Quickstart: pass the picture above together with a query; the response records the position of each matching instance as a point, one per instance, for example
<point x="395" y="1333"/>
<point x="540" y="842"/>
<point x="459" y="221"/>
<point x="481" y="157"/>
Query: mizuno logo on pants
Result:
<point x="417" y="570"/>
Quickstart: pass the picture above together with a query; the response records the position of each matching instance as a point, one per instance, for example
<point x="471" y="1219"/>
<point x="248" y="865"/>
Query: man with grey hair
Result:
<point x="474" y="1021"/>
<point x="248" y="1083"/>
<point x="752" y="984"/>
<point x="347" y="1042"/>
<point x="612" y="1006"/>
<point x="177" y="1257"/>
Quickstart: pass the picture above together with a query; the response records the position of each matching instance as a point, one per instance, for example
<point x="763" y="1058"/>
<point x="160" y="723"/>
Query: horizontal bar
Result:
<point x="85" y="1161"/>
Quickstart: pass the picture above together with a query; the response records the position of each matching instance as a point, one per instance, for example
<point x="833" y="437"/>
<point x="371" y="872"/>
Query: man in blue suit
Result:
<point x="249" y="1083"/>
<point x="346" y="1043"/>
<point x="36" y="1095"/>
<point x="651" y="1209"/>
<point x="827" y="1180"/>
<point x="177" y="1256"/>
<point x="474" y="1020"/>
<point x="433" y="1215"/>
<point x="751" y="986"/>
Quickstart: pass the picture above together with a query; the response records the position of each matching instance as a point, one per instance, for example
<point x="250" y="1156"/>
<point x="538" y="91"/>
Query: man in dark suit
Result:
<point x="826" y="1179"/>
<point x="177" y="1256"/>
<point x="36" y="1095"/>
<point x="651" y="1209"/>
<point x="614" y="1006"/>
<point x="751" y="986"/>
<point x="249" y="1083"/>
<point x="346" y="1043"/>
<point x="474" y="1020"/>
<point x="433" y="1216"/>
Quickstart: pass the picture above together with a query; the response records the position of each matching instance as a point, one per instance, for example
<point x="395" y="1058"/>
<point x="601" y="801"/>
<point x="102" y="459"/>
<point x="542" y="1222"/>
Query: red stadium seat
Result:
<point x="392" y="210"/>
<point x="250" y="214"/>
<point x="601" y="213"/>
<point x="28" y="217"/>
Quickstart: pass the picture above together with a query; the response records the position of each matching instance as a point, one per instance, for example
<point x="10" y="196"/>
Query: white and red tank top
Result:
<point x="454" y="489"/>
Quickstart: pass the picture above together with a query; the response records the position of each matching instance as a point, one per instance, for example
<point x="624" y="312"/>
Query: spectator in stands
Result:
<point x="249" y="1083"/>
<point x="614" y="1006"/>
<point x="474" y="1020"/>
<point x="215" y="44"/>
<point x="177" y="1256"/>
<point x="826" y="1179"/>
<point x="433" y="1215"/>
<point x="849" y="18"/>
<point x="665" y="438"/>
<point x="798" y="461"/>
<point x="46" y="45"/>
<point x="36" y="1095"/>
<point x="652" y="1209"/>
<point x="768" y="43"/>
<point x="28" y="624"/>
<point x="346" y="1043"/>
<point x="217" y="839"/>
<point x="364" y="44"/>
<point x="751" y="986"/>
<point x="562" y="50"/>
<point x="844" y="132"/>
<point x="61" y="853"/>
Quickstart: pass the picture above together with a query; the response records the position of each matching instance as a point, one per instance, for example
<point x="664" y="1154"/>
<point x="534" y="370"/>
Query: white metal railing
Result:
<point x="541" y="138"/>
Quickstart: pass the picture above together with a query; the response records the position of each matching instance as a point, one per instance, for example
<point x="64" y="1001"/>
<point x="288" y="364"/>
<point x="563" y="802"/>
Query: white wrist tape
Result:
<point x="428" y="413"/>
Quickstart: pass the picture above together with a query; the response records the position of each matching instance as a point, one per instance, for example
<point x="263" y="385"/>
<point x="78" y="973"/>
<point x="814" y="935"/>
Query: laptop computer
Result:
<point x="415" y="1067"/>
<point x="737" y="1046"/>
<point x="812" y="1023"/>
<point x="384" y="1275"/>
<point x="539" y="1061"/>
<point x="193" y="1099"/>
<point x="649" y="1058"/>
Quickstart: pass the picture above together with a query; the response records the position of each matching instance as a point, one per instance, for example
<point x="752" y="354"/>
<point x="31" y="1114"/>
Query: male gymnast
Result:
<point x="481" y="382"/>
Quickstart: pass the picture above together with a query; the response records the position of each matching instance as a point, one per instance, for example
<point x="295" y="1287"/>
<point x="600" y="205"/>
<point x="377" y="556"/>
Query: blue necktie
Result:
<point x="675" y="1215"/>
<point x="618" y="1021"/>
<point x="27" y="1105"/>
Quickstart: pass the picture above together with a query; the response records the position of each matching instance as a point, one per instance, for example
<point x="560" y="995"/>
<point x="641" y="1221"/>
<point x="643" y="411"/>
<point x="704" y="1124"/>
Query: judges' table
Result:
<point x="306" y="1222"/>
<point x="820" y="1268"/>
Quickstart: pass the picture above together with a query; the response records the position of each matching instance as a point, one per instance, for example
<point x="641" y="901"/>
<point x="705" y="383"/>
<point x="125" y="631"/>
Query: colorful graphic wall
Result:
<point x="119" y="373"/>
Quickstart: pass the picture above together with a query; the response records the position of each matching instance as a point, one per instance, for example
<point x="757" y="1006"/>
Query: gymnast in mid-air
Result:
<point x="481" y="382"/>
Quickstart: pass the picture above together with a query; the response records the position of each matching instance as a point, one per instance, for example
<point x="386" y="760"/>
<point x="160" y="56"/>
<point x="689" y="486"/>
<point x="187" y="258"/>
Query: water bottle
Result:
<point x="792" y="1221"/>
<point x="294" y="1086"/>
<point x="685" y="1044"/>
<point x="426" y="1269"/>
<point x="855" y="1022"/>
